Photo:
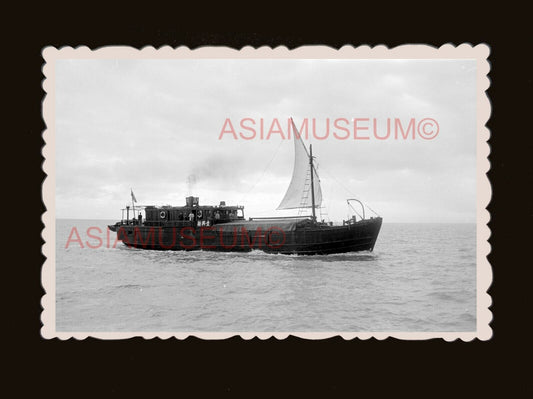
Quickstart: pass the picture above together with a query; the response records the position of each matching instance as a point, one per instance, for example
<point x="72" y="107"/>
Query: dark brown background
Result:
<point x="366" y="368"/>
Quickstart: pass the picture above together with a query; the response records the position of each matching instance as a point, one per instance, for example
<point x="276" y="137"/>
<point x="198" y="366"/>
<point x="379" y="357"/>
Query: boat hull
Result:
<point x="313" y="239"/>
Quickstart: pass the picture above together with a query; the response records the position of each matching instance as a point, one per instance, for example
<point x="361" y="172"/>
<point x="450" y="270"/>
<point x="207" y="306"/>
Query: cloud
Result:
<point x="150" y="124"/>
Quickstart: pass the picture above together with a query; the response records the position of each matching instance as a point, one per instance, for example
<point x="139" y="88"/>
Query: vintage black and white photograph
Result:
<point x="264" y="192"/>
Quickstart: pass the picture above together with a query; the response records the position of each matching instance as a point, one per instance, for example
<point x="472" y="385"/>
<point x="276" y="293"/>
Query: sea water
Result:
<point x="420" y="277"/>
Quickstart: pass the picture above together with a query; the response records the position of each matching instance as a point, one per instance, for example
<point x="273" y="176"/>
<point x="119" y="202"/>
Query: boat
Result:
<point x="224" y="227"/>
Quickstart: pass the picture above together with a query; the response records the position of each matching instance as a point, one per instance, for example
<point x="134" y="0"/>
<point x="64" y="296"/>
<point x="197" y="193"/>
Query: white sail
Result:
<point x="298" y="194"/>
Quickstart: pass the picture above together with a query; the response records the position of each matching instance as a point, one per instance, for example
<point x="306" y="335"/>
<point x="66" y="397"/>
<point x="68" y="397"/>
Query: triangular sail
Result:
<point x="298" y="194"/>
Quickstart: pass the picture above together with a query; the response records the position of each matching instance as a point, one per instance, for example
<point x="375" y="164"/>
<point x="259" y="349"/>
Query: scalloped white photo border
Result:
<point x="479" y="53"/>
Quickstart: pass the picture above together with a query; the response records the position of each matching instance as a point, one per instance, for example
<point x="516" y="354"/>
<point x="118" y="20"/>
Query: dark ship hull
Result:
<point x="301" y="236"/>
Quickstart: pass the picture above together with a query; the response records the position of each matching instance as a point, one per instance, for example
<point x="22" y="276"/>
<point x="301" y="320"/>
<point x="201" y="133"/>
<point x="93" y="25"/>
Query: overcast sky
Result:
<point x="150" y="124"/>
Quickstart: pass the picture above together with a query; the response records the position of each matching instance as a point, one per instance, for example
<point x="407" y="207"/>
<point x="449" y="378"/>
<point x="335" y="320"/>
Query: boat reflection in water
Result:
<point x="224" y="228"/>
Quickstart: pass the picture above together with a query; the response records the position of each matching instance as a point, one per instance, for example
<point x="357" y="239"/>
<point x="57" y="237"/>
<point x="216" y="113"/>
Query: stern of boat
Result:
<point x="113" y="227"/>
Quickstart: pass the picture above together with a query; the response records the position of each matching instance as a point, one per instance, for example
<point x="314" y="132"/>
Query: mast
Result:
<point x="312" y="181"/>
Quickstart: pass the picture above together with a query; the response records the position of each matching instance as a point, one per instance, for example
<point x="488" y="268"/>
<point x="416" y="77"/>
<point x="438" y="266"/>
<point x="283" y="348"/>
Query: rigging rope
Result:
<point x="264" y="172"/>
<point x="347" y="190"/>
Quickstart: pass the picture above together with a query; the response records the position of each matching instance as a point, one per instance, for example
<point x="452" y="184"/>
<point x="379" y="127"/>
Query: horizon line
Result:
<point x="384" y="221"/>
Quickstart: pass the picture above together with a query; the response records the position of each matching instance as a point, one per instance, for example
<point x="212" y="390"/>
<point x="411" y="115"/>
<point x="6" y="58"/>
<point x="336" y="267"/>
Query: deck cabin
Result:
<point x="191" y="214"/>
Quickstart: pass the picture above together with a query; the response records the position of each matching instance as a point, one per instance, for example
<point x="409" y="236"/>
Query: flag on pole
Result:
<point x="133" y="196"/>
